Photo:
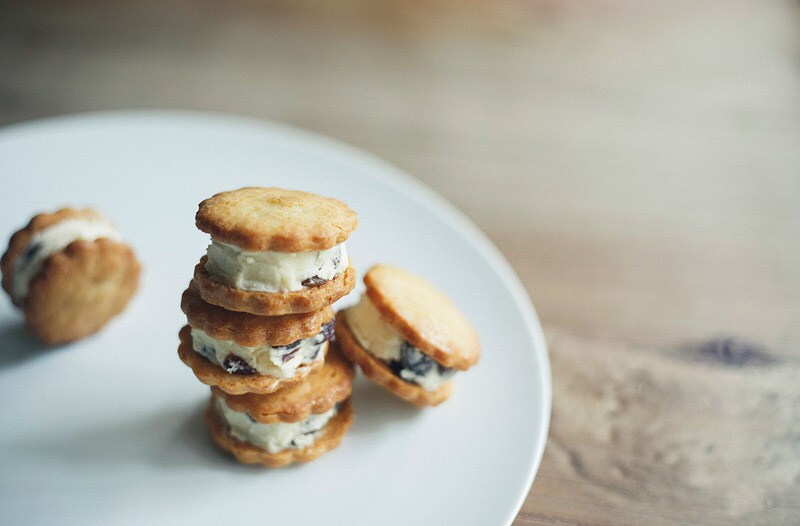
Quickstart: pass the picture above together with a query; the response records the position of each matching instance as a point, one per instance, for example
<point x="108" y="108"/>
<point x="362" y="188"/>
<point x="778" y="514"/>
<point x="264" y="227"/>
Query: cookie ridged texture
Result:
<point x="212" y="374"/>
<point x="318" y="393"/>
<point x="80" y="289"/>
<point x="379" y="372"/>
<point x="248" y="329"/>
<point x="20" y="240"/>
<point x="272" y="303"/>
<point x="258" y="219"/>
<point x="424" y="315"/>
<point x="246" y="453"/>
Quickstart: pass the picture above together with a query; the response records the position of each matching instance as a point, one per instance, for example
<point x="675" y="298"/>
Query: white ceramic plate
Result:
<point x="109" y="431"/>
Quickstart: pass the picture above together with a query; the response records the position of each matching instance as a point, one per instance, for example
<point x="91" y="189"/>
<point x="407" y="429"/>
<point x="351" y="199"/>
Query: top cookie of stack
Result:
<point x="274" y="251"/>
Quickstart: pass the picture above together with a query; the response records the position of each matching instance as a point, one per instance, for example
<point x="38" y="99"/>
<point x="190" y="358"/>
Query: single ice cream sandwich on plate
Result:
<point x="295" y="424"/>
<point x="407" y="336"/>
<point x="244" y="353"/>
<point x="274" y="251"/>
<point x="70" y="273"/>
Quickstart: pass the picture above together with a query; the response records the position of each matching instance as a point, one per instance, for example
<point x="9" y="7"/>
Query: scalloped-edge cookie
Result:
<point x="272" y="303"/>
<point x="275" y="219"/>
<point x="212" y="374"/>
<point x="319" y="392"/>
<point x="69" y="273"/>
<point x="330" y="437"/>
<point x="248" y="329"/>
<point x="424" y="315"/>
<point x="380" y="373"/>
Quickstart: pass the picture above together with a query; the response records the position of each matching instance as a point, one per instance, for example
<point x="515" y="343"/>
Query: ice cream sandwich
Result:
<point x="274" y="251"/>
<point x="295" y="424"/>
<point x="407" y="336"/>
<point x="70" y="273"/>
<point x="244" y="353"/>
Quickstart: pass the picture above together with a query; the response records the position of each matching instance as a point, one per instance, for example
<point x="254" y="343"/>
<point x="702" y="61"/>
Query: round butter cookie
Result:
<point x="274" y="219"/>
<point x="69" y="273"/>
<point x="407" y="336"/>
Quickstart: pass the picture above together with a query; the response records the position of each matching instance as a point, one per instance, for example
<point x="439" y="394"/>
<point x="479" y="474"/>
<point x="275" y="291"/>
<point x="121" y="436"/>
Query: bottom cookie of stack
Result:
<point x="295" y="424"/>
<point x="281" y="443"/>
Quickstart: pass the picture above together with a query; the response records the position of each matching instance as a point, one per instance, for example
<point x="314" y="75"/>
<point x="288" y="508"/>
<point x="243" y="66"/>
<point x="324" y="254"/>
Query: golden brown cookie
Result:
<point x="246" y="453"/>
<point x="20" y="240"/>
<point x="424" y="315"/>
<point x="272" y="303"/>
<point x="380" y="373"/>
<point x="212" y="374"/>
<point x="247" y="329"/>
<point x="319" y="392"/>
<point x="77" y="289"/>
<point x="259" y="219"/>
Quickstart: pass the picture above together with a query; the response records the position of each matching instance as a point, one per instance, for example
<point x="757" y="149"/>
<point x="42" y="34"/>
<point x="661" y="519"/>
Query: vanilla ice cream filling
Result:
<point x="278" y="361"/>
<point x="273" y="437"/>
<point x="50" y="240"/>
<point x="270" y="271"/>
<point x="384" y="342"/>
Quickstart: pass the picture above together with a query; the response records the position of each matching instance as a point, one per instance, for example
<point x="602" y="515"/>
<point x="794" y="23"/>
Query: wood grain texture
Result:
<point x="702" y="433"/>
<point x="638" y="164"/>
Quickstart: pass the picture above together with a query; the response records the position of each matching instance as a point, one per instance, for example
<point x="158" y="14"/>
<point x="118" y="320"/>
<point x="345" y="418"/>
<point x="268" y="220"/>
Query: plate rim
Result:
<point x="375" y="167"/>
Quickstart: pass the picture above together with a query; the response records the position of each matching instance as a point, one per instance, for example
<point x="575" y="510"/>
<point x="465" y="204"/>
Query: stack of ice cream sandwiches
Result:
<point x="261" y="327"/>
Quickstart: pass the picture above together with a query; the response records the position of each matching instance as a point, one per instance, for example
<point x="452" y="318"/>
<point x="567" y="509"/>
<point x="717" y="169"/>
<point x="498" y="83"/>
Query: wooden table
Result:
<point x="638" y="165"/>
